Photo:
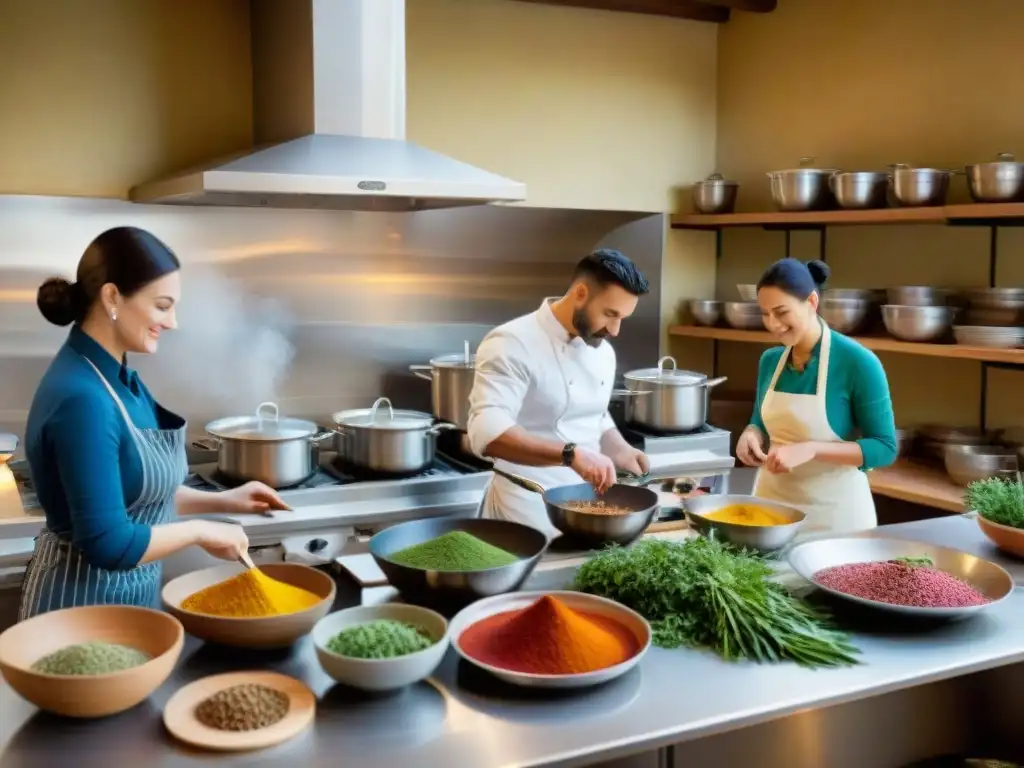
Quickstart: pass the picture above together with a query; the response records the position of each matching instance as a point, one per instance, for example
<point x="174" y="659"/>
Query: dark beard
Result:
<point x="582" y="326"/>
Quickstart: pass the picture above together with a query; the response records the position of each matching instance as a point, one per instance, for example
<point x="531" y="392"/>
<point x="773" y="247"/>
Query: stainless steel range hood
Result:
<point x="329" y="112"/>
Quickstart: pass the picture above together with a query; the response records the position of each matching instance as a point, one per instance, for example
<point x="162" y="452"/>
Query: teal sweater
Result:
<point x="857" y="398"/>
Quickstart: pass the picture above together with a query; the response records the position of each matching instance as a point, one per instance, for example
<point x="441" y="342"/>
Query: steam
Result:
<point x="231" y="350"/>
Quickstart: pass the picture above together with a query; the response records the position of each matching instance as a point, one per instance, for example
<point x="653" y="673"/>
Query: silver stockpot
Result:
<point x="386" y="440"/>
<point x="278" y="452"/>
<point x="451" y="381"/>
<point x="667" y="399"/>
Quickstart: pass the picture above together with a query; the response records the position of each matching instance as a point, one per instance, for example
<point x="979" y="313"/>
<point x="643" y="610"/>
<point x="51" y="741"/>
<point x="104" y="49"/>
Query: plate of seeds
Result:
<point x="240" y="711"/>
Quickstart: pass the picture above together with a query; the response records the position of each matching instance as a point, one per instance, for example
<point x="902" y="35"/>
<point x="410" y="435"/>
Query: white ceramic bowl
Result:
<point x="514" y="601"/>
<point x="381" y="674"/>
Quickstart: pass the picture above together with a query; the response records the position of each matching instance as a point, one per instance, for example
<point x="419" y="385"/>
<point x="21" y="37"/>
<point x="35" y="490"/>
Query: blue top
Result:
<point x="856" y="399"/>
<point x="85" y="466"/>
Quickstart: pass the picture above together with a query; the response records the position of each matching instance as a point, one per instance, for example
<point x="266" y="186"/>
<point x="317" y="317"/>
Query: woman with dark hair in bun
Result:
<point x="823" y="414"/>
<point x="107" y="460"/>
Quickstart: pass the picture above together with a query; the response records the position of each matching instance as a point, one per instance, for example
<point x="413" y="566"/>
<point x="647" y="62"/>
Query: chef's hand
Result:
<point x="786" y="458"/>
<point x="252" y="498"/>
<point x="632" y="460"/>
<point x="224" y="540"/>
<point x="596" y="468"/>
<point x="750" y="447"/>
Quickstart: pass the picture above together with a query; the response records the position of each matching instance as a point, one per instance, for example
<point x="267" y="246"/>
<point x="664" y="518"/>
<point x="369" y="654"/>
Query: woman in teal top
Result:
<point x="823" y="414"/>
<point x="107" y="460"/>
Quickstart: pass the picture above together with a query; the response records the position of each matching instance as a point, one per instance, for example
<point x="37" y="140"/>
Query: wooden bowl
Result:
<point x="154" y="632"/>
<point x="1003" y="536"/>
<point x="262" y="632"/>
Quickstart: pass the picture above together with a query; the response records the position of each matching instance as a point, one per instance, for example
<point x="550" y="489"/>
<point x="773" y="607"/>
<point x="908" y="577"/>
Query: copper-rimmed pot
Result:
<point x="265" y="447"/>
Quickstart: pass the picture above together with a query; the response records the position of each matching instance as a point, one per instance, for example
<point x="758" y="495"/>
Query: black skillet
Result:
<point x="587" y="528"/>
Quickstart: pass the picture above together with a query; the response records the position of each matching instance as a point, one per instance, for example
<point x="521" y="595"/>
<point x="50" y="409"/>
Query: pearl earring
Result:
<point x="113" y="315"/>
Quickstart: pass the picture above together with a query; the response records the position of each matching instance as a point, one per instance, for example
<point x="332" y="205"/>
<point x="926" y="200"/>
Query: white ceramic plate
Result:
<point x="514" y="601"/>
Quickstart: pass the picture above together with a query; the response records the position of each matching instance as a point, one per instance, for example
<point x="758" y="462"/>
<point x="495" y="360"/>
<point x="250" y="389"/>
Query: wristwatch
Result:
<point x="568" y="454"/>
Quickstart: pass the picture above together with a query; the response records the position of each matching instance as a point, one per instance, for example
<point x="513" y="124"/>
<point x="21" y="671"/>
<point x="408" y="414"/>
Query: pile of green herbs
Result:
<point x="997" y="500"/>
<point x="702" y="593"/>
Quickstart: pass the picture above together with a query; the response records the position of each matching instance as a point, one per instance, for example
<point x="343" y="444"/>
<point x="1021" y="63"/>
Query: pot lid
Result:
<point x="672" y="376"/>
<point x="457" y="360"/>
<point x="265" y="424"/>
<point x="717" y="179"/>
<point x="806" y="167"/>
<point x="379" y="417"/>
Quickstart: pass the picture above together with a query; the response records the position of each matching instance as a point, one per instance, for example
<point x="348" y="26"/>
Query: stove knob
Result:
<point x="685" y="485"/>
<point x="316" y="545"/>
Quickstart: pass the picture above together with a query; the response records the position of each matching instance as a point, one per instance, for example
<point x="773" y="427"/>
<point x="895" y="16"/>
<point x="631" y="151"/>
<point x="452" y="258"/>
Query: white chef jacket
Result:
<point x="530" y="373"/>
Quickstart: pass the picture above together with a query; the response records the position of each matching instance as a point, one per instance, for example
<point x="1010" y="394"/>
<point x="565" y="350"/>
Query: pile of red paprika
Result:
<point x="549" y="638"/>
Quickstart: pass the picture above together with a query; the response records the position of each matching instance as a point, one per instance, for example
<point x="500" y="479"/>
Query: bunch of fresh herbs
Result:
<point x="702" y="594"/>
<point x="997" y="500"/>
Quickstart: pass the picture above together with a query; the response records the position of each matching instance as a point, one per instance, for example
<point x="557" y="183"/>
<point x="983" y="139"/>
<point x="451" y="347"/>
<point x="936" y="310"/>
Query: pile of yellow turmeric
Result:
<point x="747" y="514"/>
<point x="250" y="594"/>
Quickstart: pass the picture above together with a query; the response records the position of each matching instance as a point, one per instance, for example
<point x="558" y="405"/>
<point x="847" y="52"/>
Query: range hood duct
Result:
<point x="329" y="119"/>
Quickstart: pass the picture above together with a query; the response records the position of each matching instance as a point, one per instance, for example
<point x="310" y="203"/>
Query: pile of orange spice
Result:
<point x="549" y="638"/>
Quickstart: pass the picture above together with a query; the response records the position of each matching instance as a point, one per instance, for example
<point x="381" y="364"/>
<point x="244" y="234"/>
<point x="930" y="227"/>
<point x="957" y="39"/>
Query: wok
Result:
<point x="586" y="528"/>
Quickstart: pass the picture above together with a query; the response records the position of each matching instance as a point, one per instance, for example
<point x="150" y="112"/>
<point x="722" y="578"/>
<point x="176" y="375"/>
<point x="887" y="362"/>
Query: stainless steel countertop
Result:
<point x="463" y="720"/>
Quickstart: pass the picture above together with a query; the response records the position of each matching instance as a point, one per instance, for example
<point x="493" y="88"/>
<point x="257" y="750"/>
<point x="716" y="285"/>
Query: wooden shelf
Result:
<point x="918" y="484"/>
<point x="877" y="343"/>
<point x="977" y="213"/>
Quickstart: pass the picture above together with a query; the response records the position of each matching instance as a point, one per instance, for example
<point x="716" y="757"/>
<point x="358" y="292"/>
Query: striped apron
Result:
<point x="58" y="576"/>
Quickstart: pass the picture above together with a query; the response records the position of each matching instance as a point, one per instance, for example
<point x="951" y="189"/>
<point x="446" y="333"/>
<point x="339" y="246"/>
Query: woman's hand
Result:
<point x="632" y="460"/>
<point x="786" y="458"/>
<point x="595" y="468"/>
<point x="224" y="540"/>
<point x="251" y="498"/>
<point x="750" y="447"/>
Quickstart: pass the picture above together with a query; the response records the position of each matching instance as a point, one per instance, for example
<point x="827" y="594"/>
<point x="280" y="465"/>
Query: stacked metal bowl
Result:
<point x="706" y="312"/>
<point x="918" y="313"/>
<point x="744" y="315"/>
<point x="986" y="336"/>
<point x="968" y="463"/>
<point x="932" y="439"/>
<point x="995" y="307"/>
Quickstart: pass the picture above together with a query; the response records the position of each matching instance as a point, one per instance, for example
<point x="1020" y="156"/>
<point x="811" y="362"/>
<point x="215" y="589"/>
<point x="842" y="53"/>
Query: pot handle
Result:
<point x="419" y="371"/>
<point x="616" y="393"/>
<point x="669" y="359"/>
<point x="521" y="481"/>
<point x="319" y="437"/>
<point x="440" y="427"/>
<point x="714" y="382"/>
<point x="377" y="404"/>
<point x="206" y="444"/>
<point x="268" y="406"/>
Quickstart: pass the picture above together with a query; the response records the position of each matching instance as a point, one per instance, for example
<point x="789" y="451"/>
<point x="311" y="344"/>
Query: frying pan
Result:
<point x="586" y="528"/>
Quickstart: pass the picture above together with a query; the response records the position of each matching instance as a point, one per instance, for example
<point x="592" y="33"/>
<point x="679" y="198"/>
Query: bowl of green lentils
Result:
<point x="92" y="661"/>
<point x="381" y="647"/>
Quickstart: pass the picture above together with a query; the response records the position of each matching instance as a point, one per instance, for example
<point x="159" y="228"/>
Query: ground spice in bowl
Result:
<point x="383" y="639"/>
<point x="453" y="551"/>
<point x="250" y="594"/>
<point x="92" y="658"/>
<point x="549" y="638"/>
<point x="900" y="583"/>
<point x="597" y="508"/>
<point x="246" y="707"/>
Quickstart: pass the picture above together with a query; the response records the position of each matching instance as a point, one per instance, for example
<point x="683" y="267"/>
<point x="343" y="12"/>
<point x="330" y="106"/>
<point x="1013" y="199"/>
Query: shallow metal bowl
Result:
<point x="844" y="315"/>
<point x="706" y="311"/>
<point x="456" y="588"/>
<point x="988" y="578"/>
<point x="764" y="538"/>
<point x="968" y="463"/>
<point x="587" y="530"/>
<point x="917" y="296"/>
<point x="920" y="324"/>
<point x="745" y="315"/>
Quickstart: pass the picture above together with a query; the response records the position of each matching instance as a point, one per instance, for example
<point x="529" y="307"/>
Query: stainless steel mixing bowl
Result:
<point x="706" y="311"/>
<point x="453" y="589"/>
<point x="919" y="187"/>
<point x="968" y="463"/>
<point x="803" y="188"/>
<point x="715" y="194"/>
<point x="745" y="315"/>
<point x="861" y="189"/>
<point x="1001" y="181"/>
<point x="922" y="324"/>
<point x="844" y="315"/>
<point x="764" y="538"/>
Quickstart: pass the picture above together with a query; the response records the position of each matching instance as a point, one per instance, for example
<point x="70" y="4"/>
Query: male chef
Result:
<point x="539" y="405"/>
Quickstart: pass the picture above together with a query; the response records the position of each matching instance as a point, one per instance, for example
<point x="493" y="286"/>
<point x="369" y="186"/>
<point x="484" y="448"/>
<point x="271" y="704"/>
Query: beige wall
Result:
<point x="859" y="85"/>
<point x="590" y="109"/>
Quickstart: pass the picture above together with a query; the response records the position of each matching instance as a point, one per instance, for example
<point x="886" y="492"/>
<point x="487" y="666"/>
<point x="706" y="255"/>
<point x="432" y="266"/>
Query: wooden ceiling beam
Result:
<point x="679" y="9"/>
<point x="750" y="6"/>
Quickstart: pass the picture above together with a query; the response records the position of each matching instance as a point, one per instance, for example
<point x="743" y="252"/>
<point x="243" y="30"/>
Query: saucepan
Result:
<point x="566" y="507"/>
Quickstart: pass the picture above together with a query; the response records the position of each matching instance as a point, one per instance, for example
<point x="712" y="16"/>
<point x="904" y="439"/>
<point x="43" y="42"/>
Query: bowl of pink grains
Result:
<point x="906" y="577"/>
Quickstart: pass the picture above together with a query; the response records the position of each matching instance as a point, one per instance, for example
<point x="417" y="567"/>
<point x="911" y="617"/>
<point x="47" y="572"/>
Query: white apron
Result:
<point x="835" y="498"/>
<point x="578" y="421"/>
